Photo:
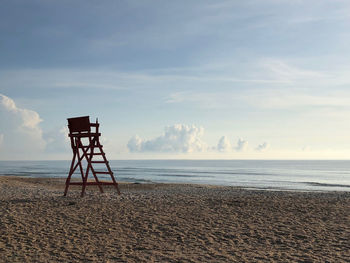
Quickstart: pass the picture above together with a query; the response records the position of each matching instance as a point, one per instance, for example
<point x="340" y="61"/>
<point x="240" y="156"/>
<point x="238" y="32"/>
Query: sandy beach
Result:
<point x="169" y="223"/>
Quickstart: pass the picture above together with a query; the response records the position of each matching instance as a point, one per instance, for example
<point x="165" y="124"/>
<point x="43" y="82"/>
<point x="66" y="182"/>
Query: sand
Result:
<point x="169" y="223"/>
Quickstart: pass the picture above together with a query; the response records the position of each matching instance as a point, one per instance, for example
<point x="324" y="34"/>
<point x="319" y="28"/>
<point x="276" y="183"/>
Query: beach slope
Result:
<point x="170" y="223"/>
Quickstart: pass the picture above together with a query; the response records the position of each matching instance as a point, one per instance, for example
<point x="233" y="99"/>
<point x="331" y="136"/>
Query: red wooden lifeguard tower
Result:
<point x="86" y="145"/>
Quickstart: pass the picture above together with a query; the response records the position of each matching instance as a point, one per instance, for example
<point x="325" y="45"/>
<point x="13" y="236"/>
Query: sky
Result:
<point x="252" y="79"/>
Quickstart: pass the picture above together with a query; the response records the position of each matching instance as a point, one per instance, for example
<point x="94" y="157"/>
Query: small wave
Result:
<point x="15" y="174"/>
<point x="192" y="171"/>
<point x="182" y="175"/>
<point x="327" y="185"/>
<point x="131" y="179"/>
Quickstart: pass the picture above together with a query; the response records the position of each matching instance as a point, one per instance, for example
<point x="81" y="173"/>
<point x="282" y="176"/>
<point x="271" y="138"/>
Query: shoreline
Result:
<point x="61" y="180"/>
<point x="274" y="175"/>
<point x="170" y="223"/>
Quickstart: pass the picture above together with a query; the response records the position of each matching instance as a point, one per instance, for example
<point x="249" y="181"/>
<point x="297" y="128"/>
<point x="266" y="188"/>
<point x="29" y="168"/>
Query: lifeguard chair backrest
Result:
<point x="79" y="124"/>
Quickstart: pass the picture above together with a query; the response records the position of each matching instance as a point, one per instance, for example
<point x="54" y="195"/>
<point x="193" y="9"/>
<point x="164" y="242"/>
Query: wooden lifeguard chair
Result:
<point x="86" y="145"/>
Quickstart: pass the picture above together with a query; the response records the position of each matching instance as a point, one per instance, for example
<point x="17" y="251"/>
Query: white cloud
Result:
<point x="29" y="119"/>
<point x="21" y="133"/>
<point x="224" y="144"/>
<point x="262" y="147"/>
<point x="135" y="144"/>
<point x="242" y="145"/>
<point x="176" y="138"/>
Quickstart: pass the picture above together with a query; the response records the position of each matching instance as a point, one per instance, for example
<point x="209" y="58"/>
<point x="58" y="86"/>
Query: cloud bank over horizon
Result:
<point x="176" y="138"/>
<point x="182" y="138"/>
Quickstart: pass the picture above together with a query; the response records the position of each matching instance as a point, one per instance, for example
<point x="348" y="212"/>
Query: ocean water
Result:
<point x="278" y="175"/>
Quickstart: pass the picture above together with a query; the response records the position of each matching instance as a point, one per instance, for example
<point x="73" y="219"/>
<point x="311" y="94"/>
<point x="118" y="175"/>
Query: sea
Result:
<point x="251" y="174"/>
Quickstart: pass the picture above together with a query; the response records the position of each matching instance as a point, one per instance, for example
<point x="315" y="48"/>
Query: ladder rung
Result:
<point x="88" y="134"/>
<point x="102" y="172"/>
<point x="92" y="183"/>
<point x="99" y="161"/>
<point x="87" y="146"/>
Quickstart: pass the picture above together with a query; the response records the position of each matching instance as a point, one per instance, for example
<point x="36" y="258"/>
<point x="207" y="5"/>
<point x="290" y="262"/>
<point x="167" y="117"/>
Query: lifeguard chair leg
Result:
<point x="84" y="184"/>
<point x="115" y="184"/>
<point x="71" y="171"/>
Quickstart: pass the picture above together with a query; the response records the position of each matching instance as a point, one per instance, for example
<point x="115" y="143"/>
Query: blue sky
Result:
<point x="177" y="79"/>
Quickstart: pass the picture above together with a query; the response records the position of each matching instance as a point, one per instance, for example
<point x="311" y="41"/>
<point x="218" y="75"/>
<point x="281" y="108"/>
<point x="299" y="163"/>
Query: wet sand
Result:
<point x="169" y="223"/>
